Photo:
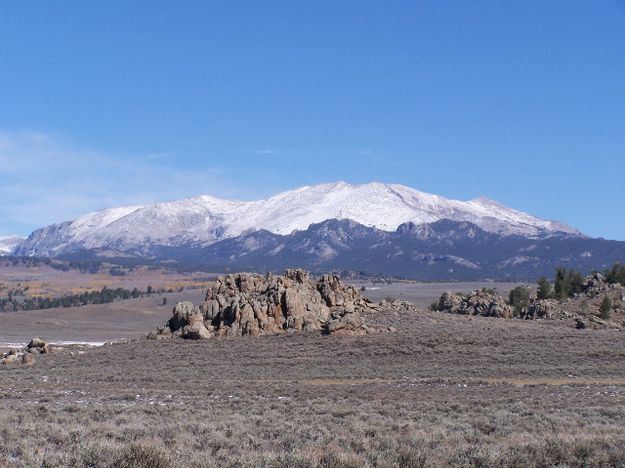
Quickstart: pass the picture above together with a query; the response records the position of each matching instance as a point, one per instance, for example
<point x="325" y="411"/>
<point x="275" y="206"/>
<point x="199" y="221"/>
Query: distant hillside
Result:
<point x="443" y="250"/>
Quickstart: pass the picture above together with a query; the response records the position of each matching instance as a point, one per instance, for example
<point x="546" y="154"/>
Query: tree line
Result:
<point x="103" y="296"/>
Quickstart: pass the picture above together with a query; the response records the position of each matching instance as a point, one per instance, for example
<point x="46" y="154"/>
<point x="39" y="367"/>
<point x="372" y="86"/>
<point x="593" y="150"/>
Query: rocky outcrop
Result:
<point x="399" y="305"/>
<point x="539" y="309"/>
<point x="595" y="284"/>
<point x="25" y="356"/>
<point x="582" y="310"/>
<point x="481" y="302"/>
<point x="249" y="304"/>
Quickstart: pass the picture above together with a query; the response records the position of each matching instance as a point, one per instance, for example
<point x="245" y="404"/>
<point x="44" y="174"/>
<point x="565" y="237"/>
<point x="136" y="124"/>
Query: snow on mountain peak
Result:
<point x="9" y="243"/>
<point x="206" y="219"/>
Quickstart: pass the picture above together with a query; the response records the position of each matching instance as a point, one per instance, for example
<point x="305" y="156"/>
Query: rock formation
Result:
<point x="253" y="304"/>
<point x="583" y="309"/>
<point x="539" y="309"/>
<point x="481" y="302"/>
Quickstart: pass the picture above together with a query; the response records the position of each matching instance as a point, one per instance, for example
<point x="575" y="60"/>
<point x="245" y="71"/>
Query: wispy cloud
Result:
<point x="44" y="180"/>
<point x="275" y="151"/>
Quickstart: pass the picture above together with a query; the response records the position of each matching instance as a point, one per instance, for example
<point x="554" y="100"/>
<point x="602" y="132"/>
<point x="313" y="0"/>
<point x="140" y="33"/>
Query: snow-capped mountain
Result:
<point x="204" y="220"/>
<point x="9" y="243"/>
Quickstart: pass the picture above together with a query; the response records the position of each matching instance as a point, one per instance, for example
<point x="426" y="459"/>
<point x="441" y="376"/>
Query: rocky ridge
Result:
<point x="250" y="304"/>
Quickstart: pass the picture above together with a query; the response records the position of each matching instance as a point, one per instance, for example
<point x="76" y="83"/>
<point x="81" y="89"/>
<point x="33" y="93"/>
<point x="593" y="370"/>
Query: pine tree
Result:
<point x="560" y="285"/>
<point x="616" y="274"/>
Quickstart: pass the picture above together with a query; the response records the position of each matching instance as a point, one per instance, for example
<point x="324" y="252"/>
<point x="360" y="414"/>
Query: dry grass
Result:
<point x="96" y="322"/>
<point x="44" y="281"/>
<point x="443" y="391"/>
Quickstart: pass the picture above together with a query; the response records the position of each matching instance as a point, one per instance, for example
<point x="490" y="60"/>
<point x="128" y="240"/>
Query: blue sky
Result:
<point x="121" y="102"/>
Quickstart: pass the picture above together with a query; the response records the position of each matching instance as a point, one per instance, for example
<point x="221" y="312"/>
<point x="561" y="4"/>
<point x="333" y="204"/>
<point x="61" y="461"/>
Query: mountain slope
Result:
<point x="9" y="243"/>
<point x="445" y="249"/>
<point x="204" y="220"/>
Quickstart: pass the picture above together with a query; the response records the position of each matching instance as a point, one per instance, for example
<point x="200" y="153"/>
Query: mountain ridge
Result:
<point x="443" y="250"/>
<point x="204" y="220"/>
<point x="9" y="243"/>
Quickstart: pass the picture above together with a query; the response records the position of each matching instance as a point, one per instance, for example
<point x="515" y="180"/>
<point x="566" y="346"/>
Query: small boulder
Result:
<point x="28" y="359"/>
<point x="37" y="343"/>
<point x="9" y="359"/>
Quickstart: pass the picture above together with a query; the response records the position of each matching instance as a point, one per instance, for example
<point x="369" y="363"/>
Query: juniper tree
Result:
<point x="545" y="290"/>
<point x="519" y="299"/>
<point x="605" y="309"/>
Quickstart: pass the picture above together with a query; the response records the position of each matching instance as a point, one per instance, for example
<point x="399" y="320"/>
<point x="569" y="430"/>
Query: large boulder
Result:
<point x="195" y="328"/>
<point x="181" y="314"/>
<point x="252" y="304"/>
<point x="594" y="284"/>
<point x="37" y="343"/>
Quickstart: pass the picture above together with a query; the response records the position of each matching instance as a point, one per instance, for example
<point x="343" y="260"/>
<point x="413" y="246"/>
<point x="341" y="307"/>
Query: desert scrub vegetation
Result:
<point x="337" y="426"/>
<point x="443" y="390"/>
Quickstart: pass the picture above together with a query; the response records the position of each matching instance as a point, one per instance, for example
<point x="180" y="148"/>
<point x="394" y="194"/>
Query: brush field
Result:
<point x="443" y="390"/>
